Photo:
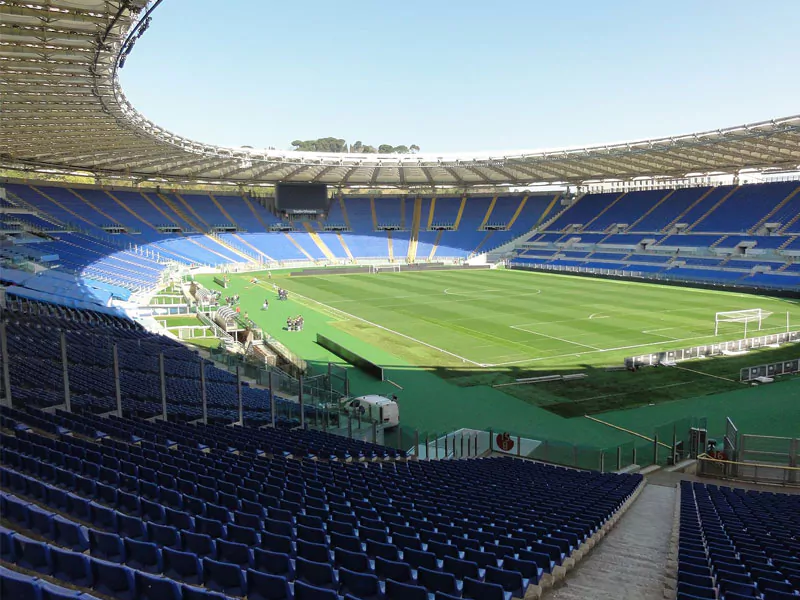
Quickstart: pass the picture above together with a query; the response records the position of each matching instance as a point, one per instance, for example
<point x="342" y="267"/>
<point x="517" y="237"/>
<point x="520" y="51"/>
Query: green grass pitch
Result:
<point x="480" y="328"/>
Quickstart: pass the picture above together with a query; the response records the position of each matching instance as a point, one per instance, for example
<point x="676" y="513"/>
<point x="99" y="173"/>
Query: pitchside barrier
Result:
<point x="715" y="349"/>
<point x="786" y="367"/>
<point x="664" y="445"/>
<point x="351" y="357"/>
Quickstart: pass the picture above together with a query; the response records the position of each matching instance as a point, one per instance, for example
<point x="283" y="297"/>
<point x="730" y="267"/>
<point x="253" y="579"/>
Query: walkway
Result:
<point x="630" y="562"/>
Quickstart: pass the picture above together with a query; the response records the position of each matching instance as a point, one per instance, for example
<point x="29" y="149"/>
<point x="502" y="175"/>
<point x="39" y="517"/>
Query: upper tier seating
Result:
<point x="179" y="510"/>
<point x="738" y="544"/>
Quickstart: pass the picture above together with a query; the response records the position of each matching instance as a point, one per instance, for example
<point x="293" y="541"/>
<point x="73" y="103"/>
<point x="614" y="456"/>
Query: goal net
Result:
<point x="384" y="269"/>
<point x="751" y="318"/>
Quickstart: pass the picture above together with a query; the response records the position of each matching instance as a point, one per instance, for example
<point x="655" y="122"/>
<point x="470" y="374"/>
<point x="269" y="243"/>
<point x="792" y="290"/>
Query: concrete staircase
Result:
<point x="631" y="562"/>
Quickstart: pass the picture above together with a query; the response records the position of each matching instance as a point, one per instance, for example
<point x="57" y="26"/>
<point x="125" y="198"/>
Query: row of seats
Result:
<point x="736" y="544"/>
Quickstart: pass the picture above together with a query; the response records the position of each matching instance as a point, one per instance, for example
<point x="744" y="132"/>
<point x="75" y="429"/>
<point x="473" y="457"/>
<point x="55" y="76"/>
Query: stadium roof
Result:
<point x="63" y="109"/>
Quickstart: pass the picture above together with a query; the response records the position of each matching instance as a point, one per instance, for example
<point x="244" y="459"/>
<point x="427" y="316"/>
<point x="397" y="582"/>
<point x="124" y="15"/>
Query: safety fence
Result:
<point x="715" y="349"/>
<point x="666" y="444"/>
<point x="786" y="367"/>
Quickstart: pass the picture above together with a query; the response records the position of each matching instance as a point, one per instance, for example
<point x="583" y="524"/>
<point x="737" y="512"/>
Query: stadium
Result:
<point x="232" y="372"/>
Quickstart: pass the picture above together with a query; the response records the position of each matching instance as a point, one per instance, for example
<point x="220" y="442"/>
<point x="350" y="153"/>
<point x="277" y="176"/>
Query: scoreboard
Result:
<point x="301" y="198"/>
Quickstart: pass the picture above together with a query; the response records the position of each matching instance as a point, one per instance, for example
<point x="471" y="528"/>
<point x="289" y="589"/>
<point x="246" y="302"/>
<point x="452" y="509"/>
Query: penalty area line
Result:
<point x="397" y="333"/>
<point x="552" y="337"/>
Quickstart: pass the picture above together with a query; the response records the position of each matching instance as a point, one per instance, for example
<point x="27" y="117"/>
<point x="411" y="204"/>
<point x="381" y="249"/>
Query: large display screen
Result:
<point x="301" y="197"/>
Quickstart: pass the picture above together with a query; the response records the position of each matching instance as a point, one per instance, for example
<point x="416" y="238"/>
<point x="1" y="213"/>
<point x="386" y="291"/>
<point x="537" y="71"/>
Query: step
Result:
<point x="631" y="561"/>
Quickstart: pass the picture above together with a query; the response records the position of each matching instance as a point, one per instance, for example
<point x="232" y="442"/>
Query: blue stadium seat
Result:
<point x="306" y="591"/>
<point x="511" y="581"/>
<point x="153" y="587"/>
<point x="436" y="581"/>
<point x="164" y="536"/>
<point x="318" y="574"/>
<point x="460" y="568"/>
<point x="354" y="561"/>
<point x="6" y="544"/>
<point x="113" y="580"/>
<point x="143" y="556"/>
<point x="32" y="555"/>
<point x="200" y="544"/>
<point x="41" y="521"/>
<point x="361" y="585"/>
<point x="391" y="569"/>
<point x="232" y="552"/>
<point x="195" y="593"/>
<point x="478" y="590"/>
<point x="51" y="591"/>
<point x="403" y="591"/>
<point x="70" y="534"/>
<point x="17" y="585"/>
<point x="131" y="527"/>
<point x="223" y="577"/>
<point x="106" y="546"/>
<point x="182" y="566"/>
<point x="263" y="586"/>
<point x="274" y="563"/>
<point x="72" y="567"/>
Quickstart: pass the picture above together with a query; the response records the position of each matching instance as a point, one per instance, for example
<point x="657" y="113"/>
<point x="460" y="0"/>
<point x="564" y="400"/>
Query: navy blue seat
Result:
<point x="510" y="580"/>
<point x="305" y="591"/>
<point x="242" y="535"/>
<point x="277" y="543"/>
<point x="153" y="511"/>
<point x="41" y="521"/>
<point x="152" y="587"/>
<point x="226" y="578"/>
<point x="179" y="519"/>
<point x="16" y="510"/>
<point x="16" y="585"/>
<point x="484" y="559"/>
<point x="437" y="581"/>
<point x="73" y="567"/>
<point x="50" y="591"/>
<point x="442" y="550"/>
<point x="263" y="586"/>
<point x="32" y="555"/>
<point x="106" y="546"/>
<point x="194" y="593"/>
<point x="164" y="535"/>
<point x="210" y="527"/>
<point x="143" y="556"/>
<point x="113" y="580"/>
<point x="232" y="552"/>
<point x="274" y="563"/>
<point x="200" y="544"/>
<point x="131" y="527"/>
<point x="319" y="574"/>
<point x="696" y="591"/>
<point x="396" y="590"/>
<point x="460" y="568"/>
<point x="182" y="566"/>
<point x="387" y="551"/>
<point x="310" y="534"/>
<point x="478" y="590"/>
<point x="346" y="542"/>
<point x="103" y="517"/>
<point x="361" y="585"/>
<point x="6" y="544"/>
<point x="312" y="551"/>
<point x="391" y="569"/>
<point x="70" y="534"/>
<point x="529" y="570"/>
<point x="418" y="558"/>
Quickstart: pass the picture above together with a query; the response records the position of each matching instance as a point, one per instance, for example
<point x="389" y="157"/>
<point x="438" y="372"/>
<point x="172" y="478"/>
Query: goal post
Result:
<point x="747" y="317"/>
<point x="384" y="268"/>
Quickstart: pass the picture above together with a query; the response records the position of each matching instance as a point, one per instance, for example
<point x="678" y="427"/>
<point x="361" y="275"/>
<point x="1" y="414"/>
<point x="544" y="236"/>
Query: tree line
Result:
<point x="330" y="144"/>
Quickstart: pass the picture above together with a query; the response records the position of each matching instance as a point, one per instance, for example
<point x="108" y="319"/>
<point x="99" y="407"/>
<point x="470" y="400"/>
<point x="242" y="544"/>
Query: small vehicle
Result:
<point x="382" y="409"/>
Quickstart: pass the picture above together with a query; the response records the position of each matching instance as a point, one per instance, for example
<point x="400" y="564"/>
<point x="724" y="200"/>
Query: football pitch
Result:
<point x="500" y="318"/>
<point x="488" y="328"/>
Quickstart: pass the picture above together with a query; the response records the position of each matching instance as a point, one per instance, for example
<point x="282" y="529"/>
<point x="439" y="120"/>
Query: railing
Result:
<point x="754" y="472"/>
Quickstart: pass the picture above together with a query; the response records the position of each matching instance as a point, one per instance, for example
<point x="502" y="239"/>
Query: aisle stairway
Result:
<point x="630" y="562"/>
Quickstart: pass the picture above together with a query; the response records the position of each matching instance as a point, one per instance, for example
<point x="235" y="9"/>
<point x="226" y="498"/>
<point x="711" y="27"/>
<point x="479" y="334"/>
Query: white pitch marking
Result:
<point x="470" y="293"/>
<point x="403" y="335"/>
<point x="598" y="316"/>
<point x="552" y="337"/>
<point x="698" y="337"/>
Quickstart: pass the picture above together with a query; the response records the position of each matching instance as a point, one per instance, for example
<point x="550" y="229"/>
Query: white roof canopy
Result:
<point x="63" y="109"/>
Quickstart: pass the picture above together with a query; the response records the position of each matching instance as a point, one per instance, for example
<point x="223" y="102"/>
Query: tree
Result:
<point x="400" y="149"/>
<point x="369" y="150"/>
<point x="386" y="149"/>
<point x="414" y="148"/>
<point x="357" y="147"/>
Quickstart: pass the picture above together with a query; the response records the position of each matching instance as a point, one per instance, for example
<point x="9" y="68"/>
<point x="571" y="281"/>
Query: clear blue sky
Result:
<point x="463" y="75"/>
